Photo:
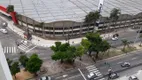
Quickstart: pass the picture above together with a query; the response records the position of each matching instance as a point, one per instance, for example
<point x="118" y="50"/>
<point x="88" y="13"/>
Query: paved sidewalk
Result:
<point x="46" y="43"/>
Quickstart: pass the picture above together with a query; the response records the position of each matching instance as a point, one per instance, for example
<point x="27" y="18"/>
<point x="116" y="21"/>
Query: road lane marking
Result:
<point x="31" y="49"/>
<point x="82" y="74"/>
<point x="134" y="58"/>
<point x="119" y="62"/>
<point x="65" y="75"/>
<point x="71" y="78"/>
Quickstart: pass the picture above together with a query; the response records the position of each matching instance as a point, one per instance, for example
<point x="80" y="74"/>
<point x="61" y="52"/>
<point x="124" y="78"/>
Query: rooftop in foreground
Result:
<point x="73" y="10"/>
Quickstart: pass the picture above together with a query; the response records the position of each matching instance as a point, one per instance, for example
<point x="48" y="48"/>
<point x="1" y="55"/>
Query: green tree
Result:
<point x="70" y="54"/>
<point x="96" y="43"/>
<point x="23" y="60"/>
<point x="85" y="43"/>
<point x="63" y="52"/>
<point x="9" y="62"/>
<point x="14" y="69"/>
<point x="114" y="15"/>
<point x="125" y="43"/>
<point x="92" y="17"/>
<point x="80" y="51"/>
<point x="58" y="56"/>
<point x="10" y="8"/>
<point x="56" y="47"/>
<point x="34" y="63"/>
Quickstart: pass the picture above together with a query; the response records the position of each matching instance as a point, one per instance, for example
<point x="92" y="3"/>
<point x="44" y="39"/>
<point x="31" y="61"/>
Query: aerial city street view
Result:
<point x="70" y="40"/>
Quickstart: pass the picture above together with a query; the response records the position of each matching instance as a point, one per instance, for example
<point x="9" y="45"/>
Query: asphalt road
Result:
<point x="130" y="71"/>
<point x="134" y="58"/>
<point x="129" y="35"/>
<point x="45" y="54"/>
<point x="8" y="42"/>
<point x="127" y="73"/>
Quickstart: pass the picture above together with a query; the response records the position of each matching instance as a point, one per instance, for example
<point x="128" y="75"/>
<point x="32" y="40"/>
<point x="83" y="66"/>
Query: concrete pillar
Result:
<point x="27" y="22"/>
<point x="34" y="26"/>
<point x="72" y="29"/>
<point x="21" y="20"/>
<point x="63" y="29"/>
<point x="81" y="26"/>
<point x="53" y="29"/>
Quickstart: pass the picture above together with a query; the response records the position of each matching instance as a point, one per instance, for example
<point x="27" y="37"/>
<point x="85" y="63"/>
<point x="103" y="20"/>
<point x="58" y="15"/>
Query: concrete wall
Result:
<point x="4" y="68"/>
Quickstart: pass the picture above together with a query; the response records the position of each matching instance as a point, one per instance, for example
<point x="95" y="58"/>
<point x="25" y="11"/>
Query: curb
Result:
<point x="118" y="56"/>
<point x="121" y="70"/>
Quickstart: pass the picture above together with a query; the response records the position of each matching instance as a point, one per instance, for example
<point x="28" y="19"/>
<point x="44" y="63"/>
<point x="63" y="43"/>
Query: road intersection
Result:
<point x="11" y="51"/>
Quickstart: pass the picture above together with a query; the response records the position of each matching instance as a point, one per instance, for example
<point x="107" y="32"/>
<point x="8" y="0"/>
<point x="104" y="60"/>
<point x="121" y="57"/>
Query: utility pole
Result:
<point x="100" y="6"/>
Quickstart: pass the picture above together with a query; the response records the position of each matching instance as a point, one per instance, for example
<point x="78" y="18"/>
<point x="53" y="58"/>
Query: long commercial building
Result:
<point x="64" y="18"/>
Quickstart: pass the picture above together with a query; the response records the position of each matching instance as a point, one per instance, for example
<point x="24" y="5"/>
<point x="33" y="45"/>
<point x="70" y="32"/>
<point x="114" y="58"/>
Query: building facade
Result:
<point x="4" y="68"/>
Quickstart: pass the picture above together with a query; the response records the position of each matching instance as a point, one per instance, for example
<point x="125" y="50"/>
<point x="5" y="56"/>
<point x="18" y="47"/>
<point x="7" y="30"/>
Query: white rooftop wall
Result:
<point x="74" y="10"/>
<point x="4" y="69"/>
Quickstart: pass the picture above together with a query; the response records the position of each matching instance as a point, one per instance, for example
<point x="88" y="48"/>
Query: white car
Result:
<point x="114" y="38"/>
<point x="45" y="78"/>
<point x="24" y="41"/>
<point x="133" y="78"/>
<point x="91" y="74"/>
<point x="3" y="31"/>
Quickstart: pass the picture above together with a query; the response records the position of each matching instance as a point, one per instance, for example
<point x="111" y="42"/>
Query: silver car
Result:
<point x="133" y="78"/>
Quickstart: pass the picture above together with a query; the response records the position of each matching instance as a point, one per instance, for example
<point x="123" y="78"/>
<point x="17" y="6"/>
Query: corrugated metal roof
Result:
<point x="74" y="10"/>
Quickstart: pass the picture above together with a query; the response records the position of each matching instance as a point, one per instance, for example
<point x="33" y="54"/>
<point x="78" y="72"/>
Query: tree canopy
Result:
<point x="66" y="52"/>
<point x="114" y="15"/>
<point x="23" y="60"/>
<point x="125" y="43"/>
<point x="14" y="68"/>
<point x="10" y="8"/>
<point x="63" y="52"/>
<point x="92" y="17"/>
<point x="80" y="51"/>
<point x="95" y="43"/>
<point x="34" y="63"/>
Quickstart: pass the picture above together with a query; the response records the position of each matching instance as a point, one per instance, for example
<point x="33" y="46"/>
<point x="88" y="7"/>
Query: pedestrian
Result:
<point x="94" y="59"/>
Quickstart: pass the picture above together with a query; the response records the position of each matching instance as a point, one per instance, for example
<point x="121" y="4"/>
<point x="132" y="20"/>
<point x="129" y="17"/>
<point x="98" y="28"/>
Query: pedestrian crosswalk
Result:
<point x="10" y="50"/>
<point x="93" y="69"/>
<point x="26" y="47"/>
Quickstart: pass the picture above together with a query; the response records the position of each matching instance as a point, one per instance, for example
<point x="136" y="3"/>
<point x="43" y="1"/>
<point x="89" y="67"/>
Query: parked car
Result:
<point x="133" y="78"/>
<point x="125" y="64"/>
<point x="114" y="38"/>
<point x="139" y="31"/>
<point x="113" y="75"/>
<point x="45" y="78"/>
<point x="3" y="31"/>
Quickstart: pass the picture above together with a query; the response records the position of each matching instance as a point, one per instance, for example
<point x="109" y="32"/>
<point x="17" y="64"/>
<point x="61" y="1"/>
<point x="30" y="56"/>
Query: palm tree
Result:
<point x="114" y="15"/>
<point x="125" y="43"/>
<point x="92" y="17"/>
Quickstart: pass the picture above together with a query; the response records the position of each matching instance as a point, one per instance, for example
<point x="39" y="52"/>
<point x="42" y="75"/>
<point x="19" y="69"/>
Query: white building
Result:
<point x="4" y="69"/>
